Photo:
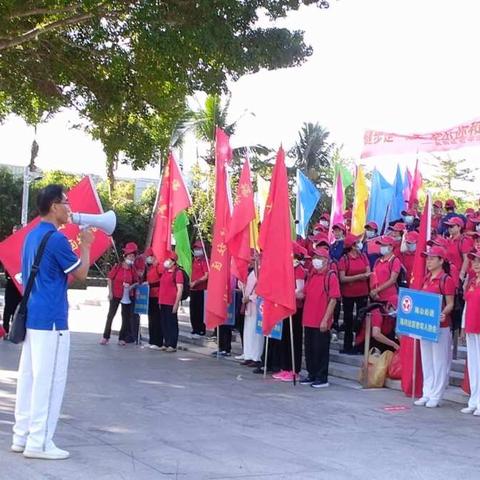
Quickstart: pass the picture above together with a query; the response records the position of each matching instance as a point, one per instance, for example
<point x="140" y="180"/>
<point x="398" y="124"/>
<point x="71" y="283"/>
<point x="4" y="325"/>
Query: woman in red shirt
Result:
<point x="408" y="256"/>
<point x="385" y="272"/>
<point x="322" y="291"/>
<point x="169" y="295"/>
<point x="121" y="282"/>
<point x="471" y="329"/>
<point x="436" y="357"/>
<point x="354" y="270"/>
<point x="155" y="332"/>
<point x="198" y="285"/>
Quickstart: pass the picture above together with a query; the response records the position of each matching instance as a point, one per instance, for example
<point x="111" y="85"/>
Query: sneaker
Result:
<point x="468" y="410"/>
<point x="17" y="448"/>
<point x="104" y="341"/>
<point x="163" y="348"/>
<point x="258" y="370"/>
<point x="421" y="402"/>
<point x="306" y="381"/>
<point x="122" y="343"/>
<point x="279" y="375"/>
<point x="432" y="404"/>
<point x="318" y="384"/>
<point x="239" y="357"/>
<point x="289" y="376"/>
<point x="477" y="412"/>
<point x="247" y="363"/>
<point x="51" y="454"/>
<point x="170" y="349"/>
<point x="195" y="335"/>
<point x="154" y="347"/>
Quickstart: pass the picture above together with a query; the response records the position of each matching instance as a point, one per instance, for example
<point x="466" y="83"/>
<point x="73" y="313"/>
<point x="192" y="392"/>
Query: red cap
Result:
<point x="385" y="240"/>
<point x="399" y="227"/>
<point x="149" y="252"/>
<point x="340" y="226"/>
<point x="469" y="211"/>
<point x="439" y="241"/>
<point x="347" y="215"/>
<point x="450" y="203"/>
<point x="455" y="221"/>
<point x="411" y="237"/>
<point x="351" y="240"/>
<point x="325" y="216"/>
<point x="475" y="218"/>
<point x="197" y="244"/>
<point x="298" y="249"/>
<point x="409" y="211"/>
<point x="436" y="252"/>
<point x="474" y="235"/>
<point x="474" y="254"/>
<point x="321" y="237"/>
<point x="130" y="247"/>
<point x="321" y="252"/>
<point x="319" y="226"/>
<point x="172" y="255"/>
<point x="438" y="203"/>
<point x="372" y="225"/>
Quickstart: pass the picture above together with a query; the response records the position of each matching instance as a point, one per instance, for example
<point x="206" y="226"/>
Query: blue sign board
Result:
<point x="230" y="309"/>
<point x="277" y="329"/>
<point x="142" y="293"/>
<point x="418" y="314"/>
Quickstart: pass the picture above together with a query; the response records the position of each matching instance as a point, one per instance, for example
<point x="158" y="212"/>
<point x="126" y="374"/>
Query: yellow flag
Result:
<point x="359" y="213"/>
<point x="263" y="186"/>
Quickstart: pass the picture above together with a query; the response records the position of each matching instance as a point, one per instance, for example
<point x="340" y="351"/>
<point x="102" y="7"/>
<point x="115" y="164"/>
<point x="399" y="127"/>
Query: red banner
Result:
<point x="83" y="198"/>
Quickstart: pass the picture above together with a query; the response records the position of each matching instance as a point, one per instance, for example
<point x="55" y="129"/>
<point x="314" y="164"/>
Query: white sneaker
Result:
<point x="477" y="412"/>
<point x="240" y="357"/>
<point x="421" y="402"/>
<point x="432" y="404"/>
<point x="468" y="410"/>
<point x="154" y="347"/>
<point x="17" y="448"/>
<point x="51" y="454"/>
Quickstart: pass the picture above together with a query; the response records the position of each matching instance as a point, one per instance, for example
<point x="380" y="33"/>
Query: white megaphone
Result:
<point x="104" y="221"/>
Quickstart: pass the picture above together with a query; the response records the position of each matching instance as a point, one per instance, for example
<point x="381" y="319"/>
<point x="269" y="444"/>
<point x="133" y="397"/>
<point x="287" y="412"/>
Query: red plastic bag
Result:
<point x="2" y="332"/>
<point x="466" y="380"/>
<point x="395" y="368"/>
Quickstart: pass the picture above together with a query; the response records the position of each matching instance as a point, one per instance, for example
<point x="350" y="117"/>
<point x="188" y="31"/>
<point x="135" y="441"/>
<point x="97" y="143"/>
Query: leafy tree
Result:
<point x="128" y="65"/>
<point x="449" y="173"/>
<point x="10" y="202"/>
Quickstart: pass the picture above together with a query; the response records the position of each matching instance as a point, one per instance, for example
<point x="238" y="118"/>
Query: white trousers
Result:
<point x="473" y="358"/>
<point x="42" y="375"/>
<point x="252" y="341"/>
<point x="436" y="361"/>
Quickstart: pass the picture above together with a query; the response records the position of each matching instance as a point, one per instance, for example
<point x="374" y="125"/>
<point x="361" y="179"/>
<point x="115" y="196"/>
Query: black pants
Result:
<point x="336" y="315"/>
<point x="273" y="354"/>
<point x="348" y="304"/>
<point x="196" y="311"/>
<point x="225" y="338"/>
<point x="126" y="330"/>
<point x="169" y="323"/>
<point x="239" y="316"/>
<point x="317" y="353"/>
<point x="286" y="346"/>
<point x="12" y="299"/>
<point x="155" y="332"/>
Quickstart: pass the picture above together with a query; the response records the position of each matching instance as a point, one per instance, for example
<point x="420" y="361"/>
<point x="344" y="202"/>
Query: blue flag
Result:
<point x="397" y="205"/>
<point x="307" y="199"/>
<point x="380" y="198"/>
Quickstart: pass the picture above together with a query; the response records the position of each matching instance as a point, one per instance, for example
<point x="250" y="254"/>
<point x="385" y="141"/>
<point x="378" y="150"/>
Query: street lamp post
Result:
<point x="29" y="176"/>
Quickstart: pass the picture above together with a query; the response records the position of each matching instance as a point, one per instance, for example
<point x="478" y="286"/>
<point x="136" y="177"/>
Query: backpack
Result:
<point x="402" y="281"/>
<point x="326" y="283"/>
<point x="186" y="282"/>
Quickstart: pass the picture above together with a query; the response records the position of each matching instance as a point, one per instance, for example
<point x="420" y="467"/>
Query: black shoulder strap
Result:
<point x="35" y="267"/>
<point x="326" y="284"/>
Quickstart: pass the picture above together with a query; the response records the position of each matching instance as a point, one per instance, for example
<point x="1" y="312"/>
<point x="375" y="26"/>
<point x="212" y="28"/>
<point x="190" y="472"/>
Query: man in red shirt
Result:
<point x="198" y="285"/>
<point x="322" y="291"/>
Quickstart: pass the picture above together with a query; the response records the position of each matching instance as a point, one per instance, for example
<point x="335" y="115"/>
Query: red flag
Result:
<point x="218" y="290"/>
<point x="406" y="343"/>
<point x="416" y="185"/>
<point x="83" y="198"/>
<point x="276" y="281"/>
<point x="172" y="199"/>
<point x="238" y="237"/>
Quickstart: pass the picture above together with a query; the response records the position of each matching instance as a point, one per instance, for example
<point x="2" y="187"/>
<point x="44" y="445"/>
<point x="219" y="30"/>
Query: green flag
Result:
<point x="293" y="227"/>
<point x="347" y="177"/>
<point x="182" y="242"/>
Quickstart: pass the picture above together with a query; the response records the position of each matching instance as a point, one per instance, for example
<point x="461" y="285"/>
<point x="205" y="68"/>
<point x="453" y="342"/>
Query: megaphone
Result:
<point x="104" y="221"/>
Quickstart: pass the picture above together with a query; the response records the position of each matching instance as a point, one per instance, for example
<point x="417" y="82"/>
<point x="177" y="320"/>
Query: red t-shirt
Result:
<point x="153" y="279"/>
<point x="472" y="307"/>
<point x="408" y="259"/>
<point x="436" y="219"/>
<point x="382" y="271"/>
<point x="443" y="285"/>
<point x="354" y="265"/>
<point x="199" y="269"/>
<point x="317" y="296"/>
<point x="456" y="247"/>
<point x="300" y="274"/>
<point x="385" y="323"/>
<point x="396" y="249"/>
<point x="120" y="275"/>
<point x="167" y="292"/>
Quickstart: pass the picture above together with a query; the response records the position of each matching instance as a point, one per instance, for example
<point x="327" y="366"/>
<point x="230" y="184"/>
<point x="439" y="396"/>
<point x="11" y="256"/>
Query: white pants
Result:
<point x="252" y="341"/>
<point x="42" y="375"/>
<point x="473" y="358"/>
<point x="436" y="361"/>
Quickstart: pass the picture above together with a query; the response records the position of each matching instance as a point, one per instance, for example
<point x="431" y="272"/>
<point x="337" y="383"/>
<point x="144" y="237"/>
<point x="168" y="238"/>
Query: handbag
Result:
<point x="18" y="329"/>
<point x="395" y="367"/>
<point x="378" y="364"/>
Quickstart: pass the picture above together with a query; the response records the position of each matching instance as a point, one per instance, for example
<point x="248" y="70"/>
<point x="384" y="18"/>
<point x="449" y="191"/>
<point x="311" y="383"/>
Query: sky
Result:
<point x="397" y="65"/>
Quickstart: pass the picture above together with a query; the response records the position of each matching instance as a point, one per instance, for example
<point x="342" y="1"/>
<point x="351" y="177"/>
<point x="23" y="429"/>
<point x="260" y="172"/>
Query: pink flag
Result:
<point x="416" y="186"/>
<point x="407" y="185"/>
<point x="385" y="143"/>
<point x="336" y="215"/>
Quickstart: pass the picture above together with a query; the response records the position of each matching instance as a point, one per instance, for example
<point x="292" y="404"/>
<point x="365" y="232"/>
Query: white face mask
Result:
<point x="167" y="264"/>
<point x="149" y="260"/>
<point x="360" y="245"/>
<point x="198" y="252"/>
<point x="408" y="219"/>
<point x="477" y="227"/>
<point x="385" y="250"/>
<point x="370" y="233"/>
<point x="323" y="222"/>
<point x="129" y="262"/>
<point x="296" y="262"/>
<point x="411" y="247"/>
<point x="318" y="263"/>
<point x="302" y="262"/>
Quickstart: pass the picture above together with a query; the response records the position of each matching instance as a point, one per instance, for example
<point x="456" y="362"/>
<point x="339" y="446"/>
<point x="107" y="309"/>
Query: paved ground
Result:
<point x="131" y="413"/>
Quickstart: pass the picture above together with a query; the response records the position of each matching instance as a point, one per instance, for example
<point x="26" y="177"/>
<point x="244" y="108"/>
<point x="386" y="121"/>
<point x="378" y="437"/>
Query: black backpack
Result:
<point x="186" y="282"/>
<point x="402" y="281"/>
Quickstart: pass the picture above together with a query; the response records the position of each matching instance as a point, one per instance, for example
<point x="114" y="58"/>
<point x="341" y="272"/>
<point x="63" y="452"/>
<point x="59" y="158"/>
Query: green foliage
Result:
<point x="449" y="173"/>
<point x="10" y="202"/>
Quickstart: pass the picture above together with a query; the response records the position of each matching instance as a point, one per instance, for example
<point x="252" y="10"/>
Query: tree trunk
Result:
<point x="111" y="165"/>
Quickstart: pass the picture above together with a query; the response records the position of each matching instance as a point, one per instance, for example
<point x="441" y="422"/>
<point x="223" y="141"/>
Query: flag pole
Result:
<point x="292" y="352"/>
<point x="414" y="373"/>
<point x="201" y="240"/>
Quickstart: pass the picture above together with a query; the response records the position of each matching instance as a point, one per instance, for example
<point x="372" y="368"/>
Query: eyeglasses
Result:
<point x="63" y="202"/>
